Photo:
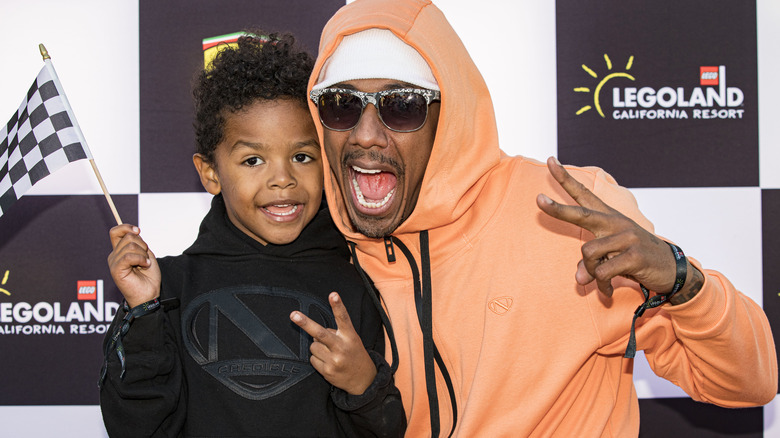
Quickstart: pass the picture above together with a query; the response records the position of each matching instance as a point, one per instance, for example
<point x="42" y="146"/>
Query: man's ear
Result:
<point x="208" y="174"/>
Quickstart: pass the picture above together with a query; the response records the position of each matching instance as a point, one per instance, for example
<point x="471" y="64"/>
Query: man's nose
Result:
<point x="369" y="131"/>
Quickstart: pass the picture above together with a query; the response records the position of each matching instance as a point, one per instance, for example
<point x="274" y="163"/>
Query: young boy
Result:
<point x="204" y="345"/>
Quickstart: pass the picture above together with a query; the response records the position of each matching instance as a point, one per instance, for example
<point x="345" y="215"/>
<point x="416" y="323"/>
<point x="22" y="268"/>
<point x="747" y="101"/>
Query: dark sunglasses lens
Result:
<point x="403" y="111"/>
<point x="339" y="111"/>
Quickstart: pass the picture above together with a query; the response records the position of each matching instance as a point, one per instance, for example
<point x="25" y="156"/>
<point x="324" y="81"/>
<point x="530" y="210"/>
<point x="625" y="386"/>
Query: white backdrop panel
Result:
<point x="93" y="45"/>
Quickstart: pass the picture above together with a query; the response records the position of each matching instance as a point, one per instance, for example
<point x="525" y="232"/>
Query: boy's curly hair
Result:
<point x="262" y="67"/>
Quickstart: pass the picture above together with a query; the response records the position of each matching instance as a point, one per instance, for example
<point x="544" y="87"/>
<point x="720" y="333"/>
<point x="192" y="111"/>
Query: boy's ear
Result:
<point x="208" y="174"/>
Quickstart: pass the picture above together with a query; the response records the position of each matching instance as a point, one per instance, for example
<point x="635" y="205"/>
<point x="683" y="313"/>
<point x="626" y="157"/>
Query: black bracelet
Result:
<point x="682" y="269"/>
<point x="655" y="301"/>
<point x="115" y="343"/>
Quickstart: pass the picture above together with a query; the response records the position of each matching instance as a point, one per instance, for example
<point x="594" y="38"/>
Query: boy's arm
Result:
<point x="365" y="390"/>
<point x="148" y="398"/>
<point x="379" y="411"/>
<point x="141" y="383"/>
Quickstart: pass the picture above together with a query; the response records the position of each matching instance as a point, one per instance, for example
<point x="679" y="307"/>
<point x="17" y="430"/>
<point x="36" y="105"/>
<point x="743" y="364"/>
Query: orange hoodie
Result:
<point x="526" y="350"/>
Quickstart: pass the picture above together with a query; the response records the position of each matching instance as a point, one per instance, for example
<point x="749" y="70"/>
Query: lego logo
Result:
<point x="709" y="75"/>
<point x="87" y="290"/>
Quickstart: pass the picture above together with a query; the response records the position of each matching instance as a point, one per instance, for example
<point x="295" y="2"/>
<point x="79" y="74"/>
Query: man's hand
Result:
<point x="338" y="354"/>
<point x="621" y="246"/>
<point x="133" y="266"/>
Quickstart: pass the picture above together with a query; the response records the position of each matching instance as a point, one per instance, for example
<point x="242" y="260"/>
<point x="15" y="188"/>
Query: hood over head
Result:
<point x="375" y="53"/>
<point x="466" y="145"/>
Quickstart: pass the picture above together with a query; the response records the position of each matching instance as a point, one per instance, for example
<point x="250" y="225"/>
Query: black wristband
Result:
<point x="115" y="342"/>
<point x="655" y="301"/>
<point x="682" y="269"/>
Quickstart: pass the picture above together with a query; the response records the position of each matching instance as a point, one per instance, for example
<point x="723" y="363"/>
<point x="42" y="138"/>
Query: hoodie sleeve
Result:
<point x="718" y="347"/>
<point x="379" y="411"/>
<point x="150" y="399"/>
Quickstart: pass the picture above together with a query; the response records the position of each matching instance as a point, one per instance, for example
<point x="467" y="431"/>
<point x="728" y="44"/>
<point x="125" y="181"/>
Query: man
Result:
<point x="473" y="258"/>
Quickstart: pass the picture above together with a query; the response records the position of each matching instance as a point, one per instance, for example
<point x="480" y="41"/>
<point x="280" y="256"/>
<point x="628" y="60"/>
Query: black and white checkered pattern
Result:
<point x="39" y="139"/>
<point x="46" y="244"/>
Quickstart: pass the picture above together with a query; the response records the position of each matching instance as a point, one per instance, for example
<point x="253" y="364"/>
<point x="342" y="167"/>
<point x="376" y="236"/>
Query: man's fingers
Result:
<point x="574" y="188"/>
<point x="583" y="217"/>
<point x="314" y="330"/>
<point x="585" y="276"/>
<point x="582" y="276"/>
<point x="343" y="321"/>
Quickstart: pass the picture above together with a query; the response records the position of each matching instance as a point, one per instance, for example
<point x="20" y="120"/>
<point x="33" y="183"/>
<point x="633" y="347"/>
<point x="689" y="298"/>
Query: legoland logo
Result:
<point x="712" y="99"/>
<point x="88" y="314"/>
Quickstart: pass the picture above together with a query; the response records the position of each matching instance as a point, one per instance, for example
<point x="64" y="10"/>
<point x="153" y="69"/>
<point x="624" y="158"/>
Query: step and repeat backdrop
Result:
<point x="677" y="100"/>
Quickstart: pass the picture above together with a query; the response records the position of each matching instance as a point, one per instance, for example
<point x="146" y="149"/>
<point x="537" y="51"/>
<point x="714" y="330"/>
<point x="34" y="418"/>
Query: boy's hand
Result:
<point x="133" y="266"/>
<point x="338" y="354"/>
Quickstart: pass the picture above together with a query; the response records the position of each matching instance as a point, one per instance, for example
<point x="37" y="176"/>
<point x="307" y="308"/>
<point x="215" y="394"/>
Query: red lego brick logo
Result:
<point x="87" y="290"/>
<point x="709" y="75"/>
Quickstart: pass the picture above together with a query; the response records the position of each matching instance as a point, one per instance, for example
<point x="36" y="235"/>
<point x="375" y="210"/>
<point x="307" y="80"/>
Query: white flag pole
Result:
<point x="50" y="67"/>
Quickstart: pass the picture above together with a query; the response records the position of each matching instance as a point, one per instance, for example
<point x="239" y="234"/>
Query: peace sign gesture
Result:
<point x="338" y="354"/>
<point x="621" y="247"/>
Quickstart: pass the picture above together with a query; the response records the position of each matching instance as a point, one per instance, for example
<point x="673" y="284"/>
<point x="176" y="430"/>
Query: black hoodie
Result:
<point x="228" y="362"/>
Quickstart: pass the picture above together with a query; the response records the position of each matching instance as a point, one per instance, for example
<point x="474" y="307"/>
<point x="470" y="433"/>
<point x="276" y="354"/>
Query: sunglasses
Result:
<point x="400" y="110"/>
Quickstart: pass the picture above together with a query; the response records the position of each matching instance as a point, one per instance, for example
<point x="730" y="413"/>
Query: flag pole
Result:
<point x="47" y="61"/>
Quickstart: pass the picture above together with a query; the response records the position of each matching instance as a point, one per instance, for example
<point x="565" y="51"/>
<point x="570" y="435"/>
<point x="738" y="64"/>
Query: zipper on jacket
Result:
<point x="389" y="250"/>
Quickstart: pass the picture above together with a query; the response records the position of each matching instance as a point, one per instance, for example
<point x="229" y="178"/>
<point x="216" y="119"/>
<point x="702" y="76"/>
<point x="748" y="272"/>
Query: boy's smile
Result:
<point x="268" y="168"/>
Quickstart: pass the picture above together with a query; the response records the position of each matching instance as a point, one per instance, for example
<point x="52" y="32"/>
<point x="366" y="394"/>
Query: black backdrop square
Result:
<point x="47" y="245"/>
<point x="770" y="241"/>
<point x="683" y="417"/>
<point x="669" y="41"/>
<point x="171" y="53"/>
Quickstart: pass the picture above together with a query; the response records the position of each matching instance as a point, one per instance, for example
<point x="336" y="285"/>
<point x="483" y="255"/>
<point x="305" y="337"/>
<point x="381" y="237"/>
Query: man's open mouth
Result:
<point x="373" y="188"/>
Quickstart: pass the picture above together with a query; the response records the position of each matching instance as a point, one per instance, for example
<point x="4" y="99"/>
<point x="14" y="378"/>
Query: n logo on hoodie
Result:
<point x="271" y="356"/>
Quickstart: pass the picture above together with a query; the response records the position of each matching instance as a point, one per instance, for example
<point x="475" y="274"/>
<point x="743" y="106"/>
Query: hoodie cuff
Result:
<point x="706" y="310"/>
<point x="384" y="378"/>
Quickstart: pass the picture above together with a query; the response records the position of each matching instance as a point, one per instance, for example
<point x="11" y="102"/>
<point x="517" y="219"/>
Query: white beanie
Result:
<point x="376" y="54"/>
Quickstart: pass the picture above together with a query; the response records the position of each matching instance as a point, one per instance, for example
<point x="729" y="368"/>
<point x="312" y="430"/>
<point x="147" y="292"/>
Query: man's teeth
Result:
<point x="285" y="213"/>
<point x="362" y="199"/>
<point x="361" y="170"/>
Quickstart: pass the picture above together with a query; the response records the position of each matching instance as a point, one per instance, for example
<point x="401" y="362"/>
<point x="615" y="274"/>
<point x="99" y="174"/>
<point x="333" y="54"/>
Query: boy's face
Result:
<point x="268" y="168"/>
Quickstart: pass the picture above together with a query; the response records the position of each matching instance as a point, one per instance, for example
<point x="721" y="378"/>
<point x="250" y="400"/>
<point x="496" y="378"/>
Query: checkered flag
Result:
<point x="41" y="137"/>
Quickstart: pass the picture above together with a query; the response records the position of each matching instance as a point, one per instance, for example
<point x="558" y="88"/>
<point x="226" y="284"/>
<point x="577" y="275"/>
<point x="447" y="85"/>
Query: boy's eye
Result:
<point x="302" y="158"/>
<point x="254" y="161"/>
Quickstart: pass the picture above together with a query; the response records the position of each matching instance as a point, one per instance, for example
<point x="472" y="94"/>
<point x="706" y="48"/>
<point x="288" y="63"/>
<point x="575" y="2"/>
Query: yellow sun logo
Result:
<point x="5" y="279"/>
<point x="601" y="83"/>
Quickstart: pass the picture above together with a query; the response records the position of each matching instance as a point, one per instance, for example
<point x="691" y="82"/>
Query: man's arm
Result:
<point x="710" y="339"/>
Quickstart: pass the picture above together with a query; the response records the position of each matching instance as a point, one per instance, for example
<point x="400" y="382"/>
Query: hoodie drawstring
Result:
<point x="424" y="306"/>
<point x="374" y="294"/>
